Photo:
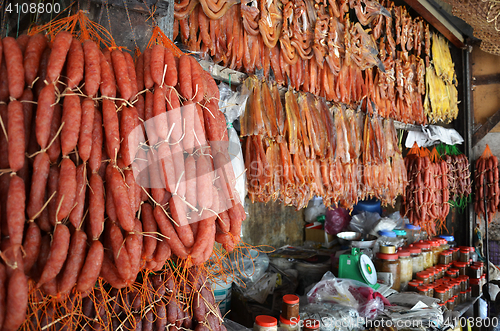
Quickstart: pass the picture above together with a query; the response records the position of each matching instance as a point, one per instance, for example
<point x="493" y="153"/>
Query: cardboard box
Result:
<point x="319" y="236"/>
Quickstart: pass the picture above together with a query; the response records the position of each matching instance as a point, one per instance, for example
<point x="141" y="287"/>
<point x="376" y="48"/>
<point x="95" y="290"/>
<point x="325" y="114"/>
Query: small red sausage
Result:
<point x="139" y="72"/>
<point x="133" y="244"/>
<point x="96" y="206"/>
<point x="23" y="41"/>
<point x="167" y="167"/>
<point x="97" y="140"/>
<point x="204" y="177"/>
<point x="150" y="228"/>
<point x="180" y="174"/>
<point x="27" y="101"/>
<point x="178" y="211"/>
<point x="160" y="114"/>
<point x="188" y="118"/>
<point x="167" y="229"/>
<point x="131" y="74"/>
<point x="16" y="301"/>
<point x="52" y="186"/>
<point x="121" y="73"/>
<point x="171" y="75"/>
<point x="31" y="246"/>
<point x="185" y="79"/>
<point x="66" y="191"/>
<point x="54" y="148"/>
<point x="86" y="128"/>
<point x="148" y="80"/>
<point x="157" y="64"/>
<point x="15" y="69"/>
<point x="111" y="128"/>
<point x="74" y="262"/>
<point x="57" y="255"/>
<point x="76" y="215"/>
<point x="190" y="168"/>
<point x="156" y="178"/>
<point x="120" y="198"/>
<point x="72" y="119"/>
<point x="174" y="116"/>
<point x="108" y="84"/>
<point x="75" y="64"/>
<point x="60" y="48"/>
<point x="129" y="133"/>
<point x="91" y="268"/>
<point x="32" y="56"/>
<point x="16" y="201"/>
<point x="44" y="113"/>
<point x="16" y="134"/>
<point x="197" y="84"/>
<point x="162" y="254"/>
<point x="109" y="272"/>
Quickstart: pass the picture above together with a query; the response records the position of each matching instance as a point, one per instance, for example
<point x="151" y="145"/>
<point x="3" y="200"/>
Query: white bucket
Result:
<point x="222" y="293"/>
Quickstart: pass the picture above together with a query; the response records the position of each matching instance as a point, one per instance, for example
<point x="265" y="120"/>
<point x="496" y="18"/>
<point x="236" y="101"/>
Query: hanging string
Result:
<point x="130" y="23"/>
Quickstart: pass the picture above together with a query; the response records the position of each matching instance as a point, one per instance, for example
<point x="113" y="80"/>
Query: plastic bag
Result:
<point x="249" y="265"/>
<point x="259" y="290"/>
<point x="364" y="222"/>
<point x="337" y="219"/>
<point x="347" y="292"/>
<point x="314" y="209"/>
<point x="332" y="317"/>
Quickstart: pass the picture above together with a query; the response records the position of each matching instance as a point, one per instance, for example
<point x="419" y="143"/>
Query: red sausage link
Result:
<point x="156" y="181"/>
<point x="171" y="75"/>
<point x="178" y="211"/>
<point x="16" y="201"/>
<point x="131" y="74"/>
<point x="157" y="64"/>
<point x="197" y="84"/>
<point x="54" y="149"/>
<point x="52" y="187"/>
<point x="160" y="114"/>
<point x="76" y="215"/>
<point x="148" y="80"/>
<point x="204" y="178"/>
<point x="27" y="101"/>
<point x="167" y="229"/>
<point x="139" y="72"/>
<point x="109" y="273"/>
<point x="133" y="243"/>
<point x="129" y="134"/>
<point x="31" y="246"/>
<point x="188" y="118"/>
<point x="15" y="69"/>
<point x="91" y="268"/>
<point x="44" y="113"/>
<point x="108" y="85"/>
<point x="75" y="64"/>
<point x="190" y="168"/>
<point x="72" y="119"/>
<point x="60" y="48"/>
<point x="86" y="128"/>
<point x="111" y="128"/>
<point x="15" y="132"/>
<point x="120" y="198"/>
<point x="185" y="80"/>
<point x="167" y="167"/>
<point x="74" y="262"/>
<point x="16" y="301"/>
<point x="97" y="140"/>
<point x="120" y="256"/>
<point x="57" y="255"/>
<point x="23" y="41"/>
<point x="174" y="116"/>
<point x="180" y="174"/>
<point x="206" y="230"/>
<point x="32" y="56"/>
<point x="121" y="73"/>
<point x="96" y="206"/>
<point x="66" y="191"/>
<point x="131" y="188"/>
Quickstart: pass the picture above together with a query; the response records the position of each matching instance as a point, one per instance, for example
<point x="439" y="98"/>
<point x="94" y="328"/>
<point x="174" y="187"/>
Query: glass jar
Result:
<point x="423" y="276"/>
<point x="456" y="287"/>
<point x="435" y="249"/>
<point x="290" y="306"/>
<point x="463" y="296"/>
<point x="450" y="304"/>
<point x="461" y="266"/>
<point x="432" y="275"/>
<point x="406" y="268"/>
<point x="457" y="299"/>
<point x="450" y="240"/>
<point x="444" y="267"/>
<point x="289" y="324"/>
<point x="387" y="249"/>
<point x="445" y="257"/>
<point x="469" y="294"/>
<point x="412" y="233"/>
<point x="401" y="235"/>
<point x="475" y="285"/>
<point x="426" y="253"/>
<point x="418" y="281"/>
<point x="452" y="273"/>
<point x="311" y="325"/>
<point x="424" y="290"/>
<point x="483" y="279"/>
<point x="475" y="271"/>
<point x="431" y="290"/>
<point x="265" y="323"/>
<point x="417" y="259"/>
<point x="455" y="254"/>
<point x="412" y="286"/>
<point x="465" y="280"/>
<point x="389" y="263"/>
<point x="464" y="254"/>
<point x="481" y="265"/>
<point x="440" y="293"/>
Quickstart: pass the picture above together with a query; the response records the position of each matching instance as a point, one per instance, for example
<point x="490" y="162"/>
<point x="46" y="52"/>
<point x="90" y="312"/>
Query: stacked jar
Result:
<point x="289" y="318"/>
<point x="265" y="323"/>
<point x="412" y="233"/>
<point x="406" y="268"/>
<point x="426" y="253"/>
<point x="436" y="250"/>
<point x="388" y="264"/>
<point x="417" y="259"/>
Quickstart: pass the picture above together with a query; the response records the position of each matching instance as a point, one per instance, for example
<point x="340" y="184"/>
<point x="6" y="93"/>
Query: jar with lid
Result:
<point x="289" y="324"/>
<point x="441" y="271"/>
<point x="457" y="299"/>
<point x="450" y="304"/>
<point x="455" y="253"/>
<point x="265" y="323"/>
<point x="431" y="275"/>
<point x="465" y="280"/>
<point x="387" y="249"/>
<point x="461" y="266"/>
<point x="389" y="238"/>
<point x="389" y="263"/>
<point x="440" y="293"/>
<point x="412" y="233"/>
<point x="444" y="267"/>
<point x="463" y="296"/>
<point x="469" y="294"/>
<point x="405" y="267"/>
<point x="445" y="257"/>
<point x="423" y="276"/>
<point x="483" y="279"/>
<point x="401" y="235"/>
<point x="481" y="265"/>
<point x="475" y="271"/>
<point x="418" y="281"/>
<point x="443" y="246"/>
<point x="450" y="240"/>
<point x="426" y="253"/>
<point x="435" y="249"/>
<point x="417" y="259"/>
<point x="451" y="273"/>
<point x="464" y="254"/>
<point x="311" y="325"/>
<point x="475" y="285"/>
<point x="431" y="290"/>
<point x="424" y="290"/>
<point x="290" y="306"/>
<point x="412" y="286"/>
<point x="456" y="287"/>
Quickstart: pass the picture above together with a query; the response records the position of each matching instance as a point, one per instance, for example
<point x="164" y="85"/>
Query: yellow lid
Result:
<point x="387" y="249"/>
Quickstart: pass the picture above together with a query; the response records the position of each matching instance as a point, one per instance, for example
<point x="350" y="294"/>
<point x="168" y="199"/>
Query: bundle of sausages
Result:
<point x="459" y="181"/>
<point x="426" y="200"/>
<point x="163" y="305"/>
<point x="87" y="187"/>
<point x="486" y="173"/>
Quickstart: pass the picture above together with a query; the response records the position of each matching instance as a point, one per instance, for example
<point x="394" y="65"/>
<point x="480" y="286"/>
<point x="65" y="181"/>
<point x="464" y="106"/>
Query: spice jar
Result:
<point x="412" y="286"/>
<point x="452" y="273"/>
<point x="389" y="263"/>
<point x="463" y="296"/>
<point x="481" y="265"/>
<point x="435" y="249"/>
<point x="412" y="233"/>
<point x="426" y="253"/>
<point x="423" y="276"/>
<point x="440" y="293"/>
<point x="475" y="271"/>
<point x="432" y="274"/>
<point x="431" y="290"/>
<point x="265" y="323"/>
<point x="475" y="285"/>
<point x="290" y="306"/>
<point x="417" y="259"/>
<point x="456" y="287"/>
<point x="311" y="325"/>
<point x="465" y="283"/>
<point x="424" y="290"/>
<point x="469" y="294"/>
<point x="405" y="267"/>
<point x="387" y="249"/>
<point x="401" y="235"/>
<point x="450" y="304"/>
<point x="455" y="253"/>
<point x="457" y="299"/>
<point x="464" y="254"/>
<point x="461" y="266"/>
<point x="289" y="324"/>
<point x="418" y="281"/>
<point x="445" y="257"/>
<point x="450" y="240"/>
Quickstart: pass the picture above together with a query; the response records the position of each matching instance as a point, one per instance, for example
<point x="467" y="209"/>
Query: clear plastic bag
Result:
<point x="364" y="222"/>
<point x="249" y="265"/>
<point x="314" y="209"/>
<point x="332" y="317"/>
<point x="346" y="292"/>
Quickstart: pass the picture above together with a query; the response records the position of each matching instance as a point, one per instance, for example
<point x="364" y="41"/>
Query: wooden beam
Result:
<point x="486" y="79"/>
<point x="437" y="20"/>
<point x="485" y="128"/>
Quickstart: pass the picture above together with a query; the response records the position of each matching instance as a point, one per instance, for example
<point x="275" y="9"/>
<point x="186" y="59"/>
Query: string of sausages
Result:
<point x="108" y="167"/>
<point x="486" y="174"/>
<point x="459" y="178"/>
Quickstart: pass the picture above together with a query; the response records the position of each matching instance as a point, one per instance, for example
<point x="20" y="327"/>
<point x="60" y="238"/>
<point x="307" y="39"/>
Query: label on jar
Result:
<point x="385" y="278"/>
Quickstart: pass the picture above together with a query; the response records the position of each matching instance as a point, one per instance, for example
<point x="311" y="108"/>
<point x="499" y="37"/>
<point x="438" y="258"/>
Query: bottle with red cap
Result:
<point x="265" y="323"/>
<point x="311" y="325"/>
<point x="289" y="318"/>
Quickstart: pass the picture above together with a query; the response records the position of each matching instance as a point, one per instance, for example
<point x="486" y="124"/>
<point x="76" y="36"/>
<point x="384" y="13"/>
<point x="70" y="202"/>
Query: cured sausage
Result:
<point x="16" y="200"/>
<point x="72" y="119"/>
<point x="97" y="140"/>
<point x="157" y="64"/>
<point x="74" y="262"/>
<point x="60" y="49"/>
<point x="66" y="191"/>
<point x="57" y="255"/>
<point x="91" y="268"/>
<point x="76" y="215"/>
<point x="44" y="113"/>
<point x="86" y="129"/>
<point x="120" y="198"/>
<point x="167" y="229"/>
<point x="111" y="128"/>
<point x="16" y="301"/>
<point x="75" y="64"/>
<point x="108" y="83"/>
<point x="121" y="74"/>
<point x="15" y="69"/>
<point x="31" y="246"/>
<point x="32" y="56"/>
<point x="16" y="134"/>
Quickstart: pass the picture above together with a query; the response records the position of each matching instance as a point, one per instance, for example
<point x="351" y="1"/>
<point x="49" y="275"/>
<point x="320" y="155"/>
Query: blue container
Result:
<point x="390" y="234"/>
<point x="372" y="205"/>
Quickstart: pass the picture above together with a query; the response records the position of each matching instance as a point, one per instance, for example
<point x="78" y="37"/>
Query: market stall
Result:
<point x="197" y="165"/>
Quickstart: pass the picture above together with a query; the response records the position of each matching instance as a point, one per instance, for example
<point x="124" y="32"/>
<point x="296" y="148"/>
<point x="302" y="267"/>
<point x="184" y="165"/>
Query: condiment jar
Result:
<point x="424" y="290"/>
<point x="475" y="285"/>
<point x="401" y="235"/>
<point x="464" y="254"/>
<point x="389" y="263"/>
<point x="450" y="240"/>
<point x="475" y="271"/>
<point x="405" y="265"/>
<point x="435" y="249"/>
<point x="440" y="293"/>
<point x="461" y="266"/>
<point x="424" y="276"/>
<point x="452" y="274"/>
<point x="431" y="290"/>
<point x="432" y="274"/>
<point x="289" y="324"/>
<point x="445" y="257"/>
<point x="463" y="296"/>
<point x="311" y="325"/>
<point x="412" y="233"/>
<point x="412" y="286"/>
<point x="417" y="259"/>
<point x="387" y="249"/>
<point x="450" y="304"/>
<point x="469" y="294"/>
<point x="465" y="283"/>
<point x="481" y="265"/>
<point x="290" y="306"/>
<point x="426" y="252"/>
<point x="265" y="323"/>
<point x="455" y="254"/>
